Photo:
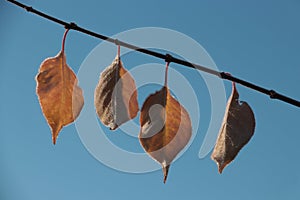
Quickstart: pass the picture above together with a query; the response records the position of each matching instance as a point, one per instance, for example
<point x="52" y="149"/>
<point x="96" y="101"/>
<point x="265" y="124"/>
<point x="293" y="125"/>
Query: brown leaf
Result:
<point x="60" y="97"/>
<point x="236" y="130"/>
<point x="116" y="96"/>
<point x="165" y="128"/>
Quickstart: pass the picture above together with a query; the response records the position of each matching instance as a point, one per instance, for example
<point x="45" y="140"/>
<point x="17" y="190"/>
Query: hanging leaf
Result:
<point x="116" y="96"/>
<point x="165" y="127"/>
<point x="60" y="97"/>
<point x="236" y="130"/>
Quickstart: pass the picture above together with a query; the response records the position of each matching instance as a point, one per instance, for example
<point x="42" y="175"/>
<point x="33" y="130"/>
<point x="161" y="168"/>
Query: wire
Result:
<point x="167" y="57"/>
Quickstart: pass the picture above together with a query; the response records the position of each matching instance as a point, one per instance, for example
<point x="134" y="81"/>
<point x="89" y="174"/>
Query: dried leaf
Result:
<point x="236" y="130"/>
<point x="165" y="128"/>
<point x="116" y="96"/>
<point x="60" y="97"/>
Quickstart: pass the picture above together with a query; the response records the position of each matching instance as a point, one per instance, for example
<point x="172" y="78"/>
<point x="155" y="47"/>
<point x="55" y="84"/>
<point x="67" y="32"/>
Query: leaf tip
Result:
<point x="113" y="126"/>
<point x="165" y="171"/>
<point x="220" y="169"/>
<point x="221" y="165"/>
<point x="55" y="131"/>
<point x="53" y="140"/>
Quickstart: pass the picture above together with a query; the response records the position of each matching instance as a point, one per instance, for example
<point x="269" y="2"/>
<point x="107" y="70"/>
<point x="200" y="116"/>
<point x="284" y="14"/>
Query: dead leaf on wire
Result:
<point x="236" y="130"/>
<point x="115" y="96"/>
<point x="60" y="97"/>
<point x="165" y="128"/>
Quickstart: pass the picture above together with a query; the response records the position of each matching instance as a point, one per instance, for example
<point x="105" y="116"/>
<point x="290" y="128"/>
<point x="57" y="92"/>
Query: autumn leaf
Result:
<point x="236" y="130"/>
<point x="115" y="96"/>
<point x="59" y="96"/>
<point x="165" y="127"/>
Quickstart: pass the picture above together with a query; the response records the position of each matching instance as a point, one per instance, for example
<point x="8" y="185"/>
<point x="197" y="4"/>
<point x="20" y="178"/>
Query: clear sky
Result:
<point x="254" y="40"/>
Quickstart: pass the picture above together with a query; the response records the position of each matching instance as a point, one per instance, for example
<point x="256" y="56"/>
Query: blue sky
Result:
<point x="255" y="40"/>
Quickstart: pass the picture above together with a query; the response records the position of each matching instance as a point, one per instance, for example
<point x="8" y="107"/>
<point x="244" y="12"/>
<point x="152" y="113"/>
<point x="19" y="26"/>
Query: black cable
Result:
<point x="167" y="57"/>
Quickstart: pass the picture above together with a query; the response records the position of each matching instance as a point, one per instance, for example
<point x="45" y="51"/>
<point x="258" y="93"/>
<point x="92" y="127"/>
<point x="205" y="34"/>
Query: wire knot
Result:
<point x="117" y="42"/>
<point x="71" y="25"/>
<point x="225" y="75"/>
<point x="28" y="8"/>
<point x="168" y="58"/>
<point x="273" y="94"/>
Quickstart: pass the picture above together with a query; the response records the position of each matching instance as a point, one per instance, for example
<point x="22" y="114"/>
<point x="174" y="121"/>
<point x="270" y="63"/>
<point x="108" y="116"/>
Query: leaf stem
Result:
<point x="119" y="51"/>
<point x="166" y="74"/>
<point x="64" y="40"/>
